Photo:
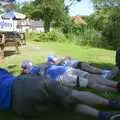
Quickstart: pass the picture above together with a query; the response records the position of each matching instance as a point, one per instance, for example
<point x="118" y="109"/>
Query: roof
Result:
<point x="12" y="15"/>
<point x="78" y="20"/>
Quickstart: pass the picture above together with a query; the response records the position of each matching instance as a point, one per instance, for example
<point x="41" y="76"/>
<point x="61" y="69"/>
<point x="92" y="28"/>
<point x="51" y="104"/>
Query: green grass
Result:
<point x="38" y="51"/>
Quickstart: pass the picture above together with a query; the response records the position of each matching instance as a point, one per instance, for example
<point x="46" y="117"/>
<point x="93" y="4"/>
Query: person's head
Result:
<point x="51" y="59"/>
<point x="26" y="66"/>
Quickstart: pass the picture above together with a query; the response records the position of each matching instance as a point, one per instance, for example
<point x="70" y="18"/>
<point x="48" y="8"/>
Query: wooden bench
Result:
<point x="7" y="40"/>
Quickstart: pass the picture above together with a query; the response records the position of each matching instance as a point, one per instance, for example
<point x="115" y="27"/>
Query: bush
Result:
<point x="33" y="36"/>
<point x="106" y="20"/>
<point x="91" y="37"/>
<point x="112" y="31"/>
<point x="54" y="35"/>
<point x="87" y="36"/>
<point x="80" y="36"/>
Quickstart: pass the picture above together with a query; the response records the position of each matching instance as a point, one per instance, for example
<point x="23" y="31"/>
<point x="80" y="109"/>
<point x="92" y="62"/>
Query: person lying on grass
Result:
<point x="71" y="77"/>
<point x="27" y="67"/>
<point x="33" y="95"/>
<point x="69" y="61"/>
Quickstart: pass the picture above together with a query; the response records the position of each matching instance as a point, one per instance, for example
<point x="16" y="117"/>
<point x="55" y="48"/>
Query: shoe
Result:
<point x="103" y="115"/>
<point x="114" y="104"/>
<point x="112" y="73"/>
<point x="114" y="116"/>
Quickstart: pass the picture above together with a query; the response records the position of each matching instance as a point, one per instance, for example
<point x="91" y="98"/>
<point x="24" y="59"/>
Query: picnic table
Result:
<point x="8" y="39"/>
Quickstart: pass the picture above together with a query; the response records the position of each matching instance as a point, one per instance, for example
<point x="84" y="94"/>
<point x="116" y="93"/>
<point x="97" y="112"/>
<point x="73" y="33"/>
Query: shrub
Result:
<point x="54" y="35"/>
<point x="80" y="36"/>
<point x="86" y="36"/>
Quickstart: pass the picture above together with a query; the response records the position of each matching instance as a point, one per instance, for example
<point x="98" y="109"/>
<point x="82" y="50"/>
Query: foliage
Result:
<point x="99" y="4"/>
<point x="53" y="36"/>
<point x="106" y="21"/>
<point x="50" y="11"/>
<point x="82" y="34"/>
<point x="27" y="8"/>
<point x="86" y="36"/>
<point x="112" y="30"/>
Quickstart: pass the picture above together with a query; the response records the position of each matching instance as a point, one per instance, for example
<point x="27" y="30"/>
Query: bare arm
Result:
<point x="60" y="60"/>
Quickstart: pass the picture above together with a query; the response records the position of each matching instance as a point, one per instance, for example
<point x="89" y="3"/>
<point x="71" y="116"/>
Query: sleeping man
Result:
<point x="71" y="77"/>
<point x="69" y="61"/>
<point x="33" y="95"/>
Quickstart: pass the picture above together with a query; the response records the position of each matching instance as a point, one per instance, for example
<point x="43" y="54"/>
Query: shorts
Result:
<point x="72" y="80"/>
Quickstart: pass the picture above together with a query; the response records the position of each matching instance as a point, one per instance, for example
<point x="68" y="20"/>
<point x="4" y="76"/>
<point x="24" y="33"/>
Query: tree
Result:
<point x="69" y="3"/>
<point x="27" y="8"/>
<point x="99" y="4"/>
<point x="106" y="20"/>
<point x="50" y="11"/>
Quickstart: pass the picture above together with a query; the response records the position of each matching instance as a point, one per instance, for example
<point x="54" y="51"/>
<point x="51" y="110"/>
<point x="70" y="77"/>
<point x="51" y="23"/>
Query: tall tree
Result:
<point x="27" y="8"/>
<point x="47" y="10"/>
<point x="106" y="20"/>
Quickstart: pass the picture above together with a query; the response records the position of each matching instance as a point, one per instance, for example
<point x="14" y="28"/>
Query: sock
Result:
<point x="114" y="104"/>
<point x="103" y="115"/>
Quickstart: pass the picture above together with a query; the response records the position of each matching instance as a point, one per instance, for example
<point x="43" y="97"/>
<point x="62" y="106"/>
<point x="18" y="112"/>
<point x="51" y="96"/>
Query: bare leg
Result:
<point x="99" y="80"/>
<point x="89" y="68"/>
<point x="87" y="110"/>
<point x="101" y="87"/>
<point x="95" y="81"/>
<point x="88" y="98"/>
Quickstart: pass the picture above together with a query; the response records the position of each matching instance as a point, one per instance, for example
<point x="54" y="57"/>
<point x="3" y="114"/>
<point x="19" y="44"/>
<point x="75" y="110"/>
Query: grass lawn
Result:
<point x="37" y="52"/>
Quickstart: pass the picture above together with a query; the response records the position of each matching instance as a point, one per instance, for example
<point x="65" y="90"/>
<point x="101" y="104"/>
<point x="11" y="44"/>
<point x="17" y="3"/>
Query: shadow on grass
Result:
<point x="103" y="65"/>
<point x="13" y="68"/>
<point x="9" y="53"/>
<point x="9" y="115"/>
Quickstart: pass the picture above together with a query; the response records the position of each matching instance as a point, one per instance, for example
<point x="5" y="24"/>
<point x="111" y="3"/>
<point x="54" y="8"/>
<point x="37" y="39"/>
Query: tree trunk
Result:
<point x="46" y="26"/>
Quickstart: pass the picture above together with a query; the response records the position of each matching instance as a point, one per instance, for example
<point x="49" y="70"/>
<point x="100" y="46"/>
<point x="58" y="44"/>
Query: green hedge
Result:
<point x="54" y="35"/>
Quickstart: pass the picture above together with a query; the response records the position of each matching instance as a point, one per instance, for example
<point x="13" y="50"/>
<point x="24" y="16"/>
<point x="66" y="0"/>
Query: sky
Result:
<point x="82" y="8"/>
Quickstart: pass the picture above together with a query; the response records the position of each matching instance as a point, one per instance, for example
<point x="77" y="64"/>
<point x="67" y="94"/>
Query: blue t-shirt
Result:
<point x="71" y="62"/>
<point x="53" y="72"/>
<point x="6" y="81"/>
<point x="35" y="70"/>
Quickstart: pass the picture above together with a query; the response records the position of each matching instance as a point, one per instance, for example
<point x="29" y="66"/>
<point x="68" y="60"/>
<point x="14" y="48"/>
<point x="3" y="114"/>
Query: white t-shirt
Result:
<point x="67" y="62"/>
<point x="71" y="62"/>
